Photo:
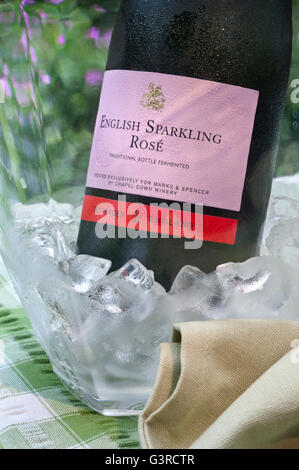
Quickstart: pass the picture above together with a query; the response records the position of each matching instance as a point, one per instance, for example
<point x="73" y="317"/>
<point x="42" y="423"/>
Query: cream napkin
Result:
<point x="226" y="384"/>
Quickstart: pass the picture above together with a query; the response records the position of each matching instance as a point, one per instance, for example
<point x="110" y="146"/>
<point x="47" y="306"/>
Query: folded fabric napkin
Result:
<point x="226" y="384"/>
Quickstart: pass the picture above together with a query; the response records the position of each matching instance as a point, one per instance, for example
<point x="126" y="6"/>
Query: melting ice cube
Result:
<point x="187" y="278"/>
<point x="136" y="274"/>
<point x="86" y="271"/>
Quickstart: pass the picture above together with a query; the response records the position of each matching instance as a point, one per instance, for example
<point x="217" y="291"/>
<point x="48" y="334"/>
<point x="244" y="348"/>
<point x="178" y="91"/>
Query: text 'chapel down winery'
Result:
<point x="189" y="116"/>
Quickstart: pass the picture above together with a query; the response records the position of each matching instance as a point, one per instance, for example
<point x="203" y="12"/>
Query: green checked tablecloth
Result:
<point x="36" y="410"/>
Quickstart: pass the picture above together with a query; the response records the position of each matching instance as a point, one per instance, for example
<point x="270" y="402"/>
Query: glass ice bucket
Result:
<point x="100" y="331"/>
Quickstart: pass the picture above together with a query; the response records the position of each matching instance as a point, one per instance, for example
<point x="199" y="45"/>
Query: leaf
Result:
<point x="52" y="11"/>
<point x="67" y="6"/>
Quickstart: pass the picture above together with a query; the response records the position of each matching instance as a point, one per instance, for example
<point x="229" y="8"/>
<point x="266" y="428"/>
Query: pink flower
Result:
<point x="94" y="33"/>
<point x="93" y="77"/>
<point x="98" y="8"/>
<point x="44" y="77"/>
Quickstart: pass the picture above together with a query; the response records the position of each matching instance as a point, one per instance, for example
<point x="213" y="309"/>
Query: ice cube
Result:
<point x="86" y="271"/>
<point x="107" y="297"/>
<point x="118" y="350"/>
<point x="247" y="277"/>
<point x="60" y="300"/>
<point x="136" y="274"/>
<point x="124" y="330"/>
<point x="283" y="241"/>
<point x="37" y="214"/>
<point x="283" y="208"/>
<point x="63" y="309"/>
<point x="194" y="296"/>
<point x="49" y="227"/>
<point x="188" y="277"/>
<point x="258" y="288"/>
<point x="43" y="239"/>
<point x="120" y="298"/>
<point x="50" y="242"/>
<point x="262" y="287"/>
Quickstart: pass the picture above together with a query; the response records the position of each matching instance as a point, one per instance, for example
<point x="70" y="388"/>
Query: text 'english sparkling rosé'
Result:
<point x="188" y="136"/>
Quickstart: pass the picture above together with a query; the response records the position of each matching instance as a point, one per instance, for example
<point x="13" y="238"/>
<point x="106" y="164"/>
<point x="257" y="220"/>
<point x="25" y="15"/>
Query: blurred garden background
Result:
<point x="53" y="54"/>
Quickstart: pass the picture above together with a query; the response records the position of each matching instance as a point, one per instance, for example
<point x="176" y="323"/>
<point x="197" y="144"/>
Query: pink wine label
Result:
<point x="173" y="138"/>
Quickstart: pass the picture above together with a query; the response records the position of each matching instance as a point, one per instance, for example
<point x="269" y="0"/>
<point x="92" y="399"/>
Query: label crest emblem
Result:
<point x="154" y="98"/>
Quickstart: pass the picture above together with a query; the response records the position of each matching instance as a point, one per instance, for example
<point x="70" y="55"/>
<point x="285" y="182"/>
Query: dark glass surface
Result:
<point x="240" y="42"/>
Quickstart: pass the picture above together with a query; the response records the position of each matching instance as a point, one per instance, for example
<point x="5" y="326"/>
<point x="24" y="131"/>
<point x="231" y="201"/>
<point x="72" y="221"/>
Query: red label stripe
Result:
<point x="160" y="220"/>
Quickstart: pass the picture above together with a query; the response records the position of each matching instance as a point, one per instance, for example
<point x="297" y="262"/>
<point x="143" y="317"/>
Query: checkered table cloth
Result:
<point x="36" y="410"/>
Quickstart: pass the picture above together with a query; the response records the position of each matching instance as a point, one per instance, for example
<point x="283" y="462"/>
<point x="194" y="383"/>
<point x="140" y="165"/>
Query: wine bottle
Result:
<point x="190" y="112"/>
